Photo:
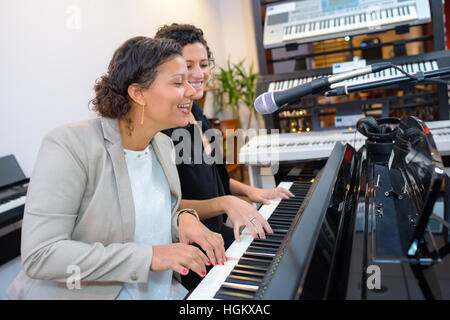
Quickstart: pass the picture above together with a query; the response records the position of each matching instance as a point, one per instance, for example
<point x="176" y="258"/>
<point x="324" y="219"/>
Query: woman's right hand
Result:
<point x="180" y="258"/>
<point x="243" y="214"/>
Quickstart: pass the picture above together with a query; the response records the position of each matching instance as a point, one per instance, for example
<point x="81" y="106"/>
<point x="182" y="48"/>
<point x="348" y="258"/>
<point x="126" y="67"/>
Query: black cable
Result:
<point x="421" y="76"/>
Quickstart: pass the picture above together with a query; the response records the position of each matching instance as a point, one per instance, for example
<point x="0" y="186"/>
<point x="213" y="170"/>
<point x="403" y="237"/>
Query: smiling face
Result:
<point x="168" y="99"/>
<point x="198" y="67"/>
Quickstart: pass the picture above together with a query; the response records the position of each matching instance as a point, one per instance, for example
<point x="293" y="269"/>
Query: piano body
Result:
<point x="13" y="189"/>
<point x="360" y="229"/>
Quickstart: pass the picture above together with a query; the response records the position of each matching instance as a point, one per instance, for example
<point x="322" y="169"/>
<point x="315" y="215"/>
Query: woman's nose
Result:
<point x="196" y="72"/>
<point x="190" y="91"/>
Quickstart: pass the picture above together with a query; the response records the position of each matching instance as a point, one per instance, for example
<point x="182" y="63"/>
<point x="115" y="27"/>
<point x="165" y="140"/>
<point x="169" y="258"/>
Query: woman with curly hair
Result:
<point x="210" y="183"/>
<point x="101" y="219"/>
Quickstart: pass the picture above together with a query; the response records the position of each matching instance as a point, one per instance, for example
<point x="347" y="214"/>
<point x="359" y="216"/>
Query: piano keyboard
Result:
<point x="390" y="73"/>
<point x="360" y="20"/>
<point x="251" y="260"/>
<point x="266" y="149"/>
<point x="11" y="204"/>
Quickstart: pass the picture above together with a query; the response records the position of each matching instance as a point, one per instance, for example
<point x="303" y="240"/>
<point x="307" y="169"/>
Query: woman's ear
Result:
<point x="135" y="92"/>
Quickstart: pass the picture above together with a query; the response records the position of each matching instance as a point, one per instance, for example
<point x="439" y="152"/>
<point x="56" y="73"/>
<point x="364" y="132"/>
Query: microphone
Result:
<point x="270" y="102"/>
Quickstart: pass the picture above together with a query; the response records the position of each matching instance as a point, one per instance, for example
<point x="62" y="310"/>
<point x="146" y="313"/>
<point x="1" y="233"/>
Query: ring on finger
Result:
<point x="251" y="218"/>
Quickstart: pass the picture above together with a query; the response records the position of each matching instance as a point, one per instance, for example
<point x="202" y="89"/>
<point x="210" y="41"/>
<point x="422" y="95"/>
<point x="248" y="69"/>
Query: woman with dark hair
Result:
<point x="211" y="183"/>
<point x="101" y="219"/>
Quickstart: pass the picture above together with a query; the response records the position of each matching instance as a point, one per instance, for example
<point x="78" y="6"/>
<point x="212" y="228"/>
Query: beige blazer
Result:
<point x="80" y="212"/>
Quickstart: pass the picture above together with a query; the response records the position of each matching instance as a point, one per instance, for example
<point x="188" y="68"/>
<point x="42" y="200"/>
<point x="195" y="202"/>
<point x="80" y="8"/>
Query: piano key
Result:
<point x="274" y="223"/>
<point x="388" y="73"/>
<point x="234" y="278"/>
<point x="246" y="272"/>
<point x="251" y="268"/>
<point x="254" y="260"/>
<point x="262" y="249"/>
<point x="266" y="244"/>
<point x="12" y="204"/>
<point x="235" y="292"/>
<point x="248" y="266"/>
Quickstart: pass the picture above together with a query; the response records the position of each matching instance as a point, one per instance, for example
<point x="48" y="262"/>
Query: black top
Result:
<point x="201" y="181"/>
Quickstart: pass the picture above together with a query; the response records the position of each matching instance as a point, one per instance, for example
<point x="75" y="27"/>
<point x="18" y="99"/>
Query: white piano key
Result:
<point x="209" y="285"/>
<point x="434" y="65"/>
<point x="12" y="204"/>
<point x="386" y="74"/>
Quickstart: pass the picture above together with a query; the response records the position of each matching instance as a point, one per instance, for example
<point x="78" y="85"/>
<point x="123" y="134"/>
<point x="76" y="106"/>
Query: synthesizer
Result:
<point x="430" y="61"/>
<point x="266" y="149"/>
<point x="310" y="20"/>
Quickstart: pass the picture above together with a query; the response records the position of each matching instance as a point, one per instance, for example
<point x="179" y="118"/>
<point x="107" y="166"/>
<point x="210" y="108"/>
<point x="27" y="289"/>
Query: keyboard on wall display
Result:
<point x="312" y="20"/>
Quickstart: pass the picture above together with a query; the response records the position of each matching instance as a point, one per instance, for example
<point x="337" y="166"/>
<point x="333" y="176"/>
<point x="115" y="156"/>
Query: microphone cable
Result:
<point x="419" y="76"/>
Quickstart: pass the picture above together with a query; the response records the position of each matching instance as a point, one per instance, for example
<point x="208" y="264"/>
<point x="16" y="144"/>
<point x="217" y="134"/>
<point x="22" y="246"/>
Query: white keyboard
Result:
<point x="307" y="21"/>
<point x="266" y="149"/>
<point x="12" y="204"/>
<point x="217" y="275"/>
<point x="390" y="73"/>
<point x="372" y="18"/>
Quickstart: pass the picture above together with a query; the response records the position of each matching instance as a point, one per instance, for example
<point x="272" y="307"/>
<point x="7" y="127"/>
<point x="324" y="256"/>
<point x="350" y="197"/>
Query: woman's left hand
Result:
<point x="191" y="230"/>
<point x="264" y="195"/>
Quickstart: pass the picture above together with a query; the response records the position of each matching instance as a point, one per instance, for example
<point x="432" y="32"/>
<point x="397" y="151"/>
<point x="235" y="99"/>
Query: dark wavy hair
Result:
<point x="135" y="61"/>
<point x="184" y="34"/>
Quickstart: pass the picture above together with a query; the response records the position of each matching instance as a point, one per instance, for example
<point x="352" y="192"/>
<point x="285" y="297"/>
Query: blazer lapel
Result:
<point x="115" y="149"/>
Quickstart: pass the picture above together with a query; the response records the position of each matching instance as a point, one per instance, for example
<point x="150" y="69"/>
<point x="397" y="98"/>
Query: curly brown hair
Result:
<point x="135" y="61"/>
<point x="185" y="34"/>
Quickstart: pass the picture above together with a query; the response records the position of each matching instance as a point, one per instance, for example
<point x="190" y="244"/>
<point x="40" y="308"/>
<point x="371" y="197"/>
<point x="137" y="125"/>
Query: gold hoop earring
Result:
<point x="143" y="110"/>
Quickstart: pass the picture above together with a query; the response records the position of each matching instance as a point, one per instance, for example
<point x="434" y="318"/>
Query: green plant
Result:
<point x="237" y="84"/>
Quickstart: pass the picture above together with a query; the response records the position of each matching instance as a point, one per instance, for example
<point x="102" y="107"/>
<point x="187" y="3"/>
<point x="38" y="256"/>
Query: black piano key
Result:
<point x="285" y="214"/>
<point x="279" y="228"/>
<point x="234" y="292"/>
<point x="240" y="279"/>
<point x="260" y="272"/>
<point x="262" y="249"/>
<point x="285" y="203"/>
<point x="287" y="211"/>
<point x="273" y="242"/>
<point x="287" y="206"/>
<point x="274" y="236"/>
<point x="265" y="244"/>
<point x="254" y="261"/>
<point x="245" y="272"/>
<point x="283" y="224"/>
<point x="290" y="204"/>
<point x="296" y="199"/>
<point x="280" y="220"/>
<point x="251" y="268"/>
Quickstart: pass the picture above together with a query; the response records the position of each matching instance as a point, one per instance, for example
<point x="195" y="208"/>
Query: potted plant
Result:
<point x="246" y="85"/>
<point x="237" y="86"/>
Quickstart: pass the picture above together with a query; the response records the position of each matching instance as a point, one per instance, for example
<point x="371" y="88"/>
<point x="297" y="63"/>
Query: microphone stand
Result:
<point x="417" y="77"/>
